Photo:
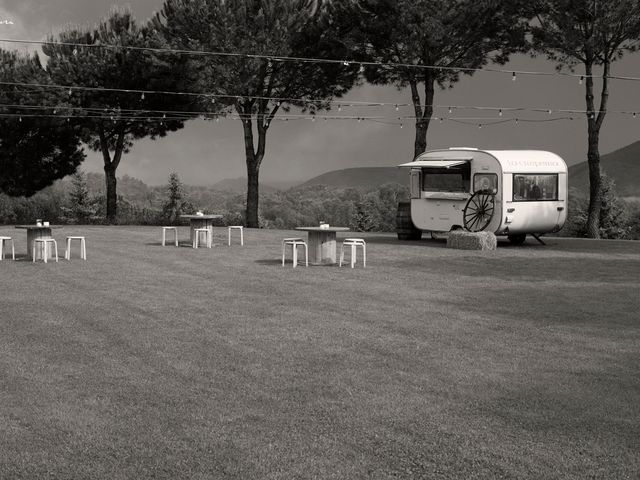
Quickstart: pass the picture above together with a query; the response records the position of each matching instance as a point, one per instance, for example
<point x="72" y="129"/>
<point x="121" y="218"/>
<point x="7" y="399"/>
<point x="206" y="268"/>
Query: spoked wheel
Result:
<point x="478" y="211"/>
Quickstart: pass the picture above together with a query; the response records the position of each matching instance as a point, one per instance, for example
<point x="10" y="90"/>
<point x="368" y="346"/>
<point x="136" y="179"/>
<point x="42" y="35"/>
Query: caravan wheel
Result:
<point x="478" y="211"/>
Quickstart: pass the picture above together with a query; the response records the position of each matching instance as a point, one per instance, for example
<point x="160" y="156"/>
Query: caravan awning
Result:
<point x="435" y="163"/>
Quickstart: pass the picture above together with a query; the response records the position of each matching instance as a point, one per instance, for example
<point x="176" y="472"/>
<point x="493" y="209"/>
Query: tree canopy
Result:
<point x="115" y="63"/>
<point x="255" y="89"/>
<point x="35" y="150"/>
<point x="442" y="38"/>
<point x="596" y="33"/>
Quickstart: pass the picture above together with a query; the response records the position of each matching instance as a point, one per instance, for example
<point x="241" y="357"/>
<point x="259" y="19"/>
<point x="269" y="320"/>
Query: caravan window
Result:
<point x="485" y="181"/>
<point x="453" y="179"/>
<point x="528" y="187"/>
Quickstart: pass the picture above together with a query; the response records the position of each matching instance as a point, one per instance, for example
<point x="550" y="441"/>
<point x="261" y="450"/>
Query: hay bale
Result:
<point x="463" y="240"/>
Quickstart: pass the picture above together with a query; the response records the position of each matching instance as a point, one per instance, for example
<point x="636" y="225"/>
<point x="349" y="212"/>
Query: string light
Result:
<point x="142" y="96"/>
<point x="580" y="81"/>
<point x="397" y="107"/>
<point x="278" y="100"/>
<point x="305" y="59"/>
<point x="513" y="77"/>
<point x="500" y="113"/>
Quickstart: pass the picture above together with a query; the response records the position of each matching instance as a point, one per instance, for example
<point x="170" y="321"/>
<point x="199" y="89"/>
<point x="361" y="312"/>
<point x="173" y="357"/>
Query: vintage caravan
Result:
<point x="507" y="192"/>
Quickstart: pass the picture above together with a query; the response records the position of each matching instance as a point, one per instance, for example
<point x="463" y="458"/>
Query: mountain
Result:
<point x="363" y="177"/>
<point x="622" y="165"/>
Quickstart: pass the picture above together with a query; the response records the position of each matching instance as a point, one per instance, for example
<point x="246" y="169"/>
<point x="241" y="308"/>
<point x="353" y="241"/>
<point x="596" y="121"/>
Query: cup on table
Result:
<point x="46" y="224"/>
<point x="39" y="222"/>
<point x="324" y="225"/>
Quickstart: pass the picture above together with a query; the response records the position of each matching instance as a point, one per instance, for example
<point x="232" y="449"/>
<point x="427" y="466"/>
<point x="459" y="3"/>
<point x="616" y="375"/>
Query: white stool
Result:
<point x="207" y="234"/>
<point x="354" y="243"/>
<point x="237" y="227"/>
<point x="295" y="243"/>
<point x="13" y="250"/>
<point x="45" y="250"/>
<point x="164" y="234"/>
<point x="83" y="248"/>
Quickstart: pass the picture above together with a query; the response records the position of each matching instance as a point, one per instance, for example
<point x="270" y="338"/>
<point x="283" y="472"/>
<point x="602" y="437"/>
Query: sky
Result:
<point x="206" y="152"/>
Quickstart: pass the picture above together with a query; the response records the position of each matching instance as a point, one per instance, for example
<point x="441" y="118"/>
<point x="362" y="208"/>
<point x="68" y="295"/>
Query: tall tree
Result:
<point x="442" y="38"/>
<point x="115" y="58"/>
<point x="35" y="150"/>
<point x="593" y="33"/>
<point x="256" y="88"/>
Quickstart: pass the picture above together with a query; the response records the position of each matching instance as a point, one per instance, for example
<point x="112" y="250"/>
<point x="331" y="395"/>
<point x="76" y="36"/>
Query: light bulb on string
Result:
<point x="500" y="113"/>
<point x="480" y="125"/>
<point x="397" y="108"/>
<point x="20" y="118"/>
<point x="70" y="92"/>
<point x="401" y="126"/>
<point x="580" y="81"/>
<point x="513" y="77"/>
<point x="449" y="109"/>
<point x="634" y="115"/>
<point x="549" y="112"/>
<point x="339" y="107"/>
<point x="75" y="52"/>
<point x="142" y="96"/>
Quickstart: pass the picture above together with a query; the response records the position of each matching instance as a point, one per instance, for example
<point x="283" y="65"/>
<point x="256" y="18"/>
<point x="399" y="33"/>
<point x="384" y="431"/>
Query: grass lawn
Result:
<point x="173" y="363"/>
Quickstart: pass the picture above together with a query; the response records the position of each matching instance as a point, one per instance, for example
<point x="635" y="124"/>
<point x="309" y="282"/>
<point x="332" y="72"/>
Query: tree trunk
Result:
<point x="423" y="115"/>
<point x="110" y="167"/>
<point x="112" y="197"/>
<point x="594" y="122"/>
<point x="253" y="194"/>
<point x="595" y="200"/>
<point x="253" y="160"/>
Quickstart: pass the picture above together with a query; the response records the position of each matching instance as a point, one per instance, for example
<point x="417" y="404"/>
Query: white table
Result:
<point x="322" y="244"/>
<point x="200" y="221"/>
<point x="34" y="232"/>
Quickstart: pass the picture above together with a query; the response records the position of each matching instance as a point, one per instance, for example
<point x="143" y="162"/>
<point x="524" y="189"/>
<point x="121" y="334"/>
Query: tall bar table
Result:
<point x="322" y="244"/>
<point x="37" y="231"/>
<point x="200" y="221"/>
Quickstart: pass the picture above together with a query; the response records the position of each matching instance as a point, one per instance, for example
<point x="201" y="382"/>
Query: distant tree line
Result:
<point x="91" y="91"/>
<point x="80" y="199"/>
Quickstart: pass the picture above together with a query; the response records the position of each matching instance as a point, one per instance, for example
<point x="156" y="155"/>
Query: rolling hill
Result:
<point x="362" y="177"/>
<point x="622" y="165"/>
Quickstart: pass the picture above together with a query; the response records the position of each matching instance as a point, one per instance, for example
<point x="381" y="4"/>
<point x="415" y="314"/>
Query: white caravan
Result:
<point x="507" y="192"/>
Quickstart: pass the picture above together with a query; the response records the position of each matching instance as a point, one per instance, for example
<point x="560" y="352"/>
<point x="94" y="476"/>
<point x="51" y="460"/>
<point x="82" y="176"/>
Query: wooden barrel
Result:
<point x="405" y="228"/>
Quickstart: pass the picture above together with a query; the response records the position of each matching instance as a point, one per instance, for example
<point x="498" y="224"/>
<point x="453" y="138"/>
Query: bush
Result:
<point x="614" y="214"/>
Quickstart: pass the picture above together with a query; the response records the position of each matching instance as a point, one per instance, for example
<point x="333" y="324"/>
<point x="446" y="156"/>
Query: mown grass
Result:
<point x="163" y="362"/>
